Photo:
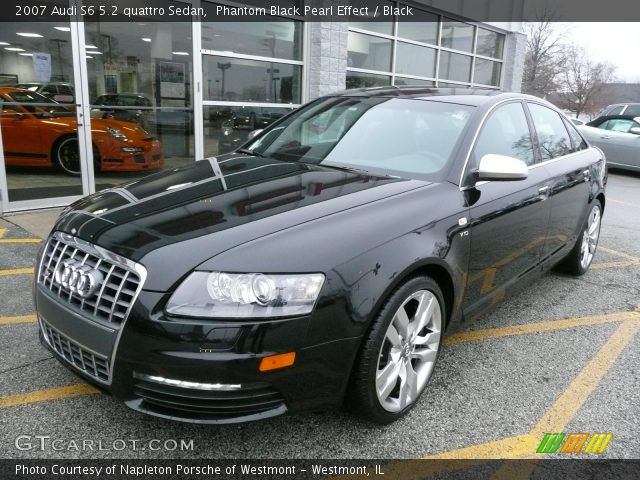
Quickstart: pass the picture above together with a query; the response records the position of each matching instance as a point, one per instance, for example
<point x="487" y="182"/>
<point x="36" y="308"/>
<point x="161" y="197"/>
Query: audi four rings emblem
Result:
<point x="82" y="280"/>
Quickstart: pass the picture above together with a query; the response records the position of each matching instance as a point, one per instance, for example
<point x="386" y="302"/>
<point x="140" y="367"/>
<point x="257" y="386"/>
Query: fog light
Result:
<point x="132" y="149"/>
<point x="274" y="362"/>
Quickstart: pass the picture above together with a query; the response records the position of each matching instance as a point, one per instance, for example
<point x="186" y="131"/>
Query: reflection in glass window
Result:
<point x="457" y="35"/>
<point x="278" y="39"/>
<point x="487" y="72"/>
<point x="365" y="80"/>
<point x="424" y="29"/>
<point x="226" y="127"/>
<point x="412" y="81"/>
<point x="235" y="79"/>
<point x="415" y="60"/>
<point x="490" y="44"/>
<point x="454" y="66"/>
<point x="579" y="143"/>
<point x="368" y="52"/>
<point x="553" y="138"/>
<point x="505" y="132"/>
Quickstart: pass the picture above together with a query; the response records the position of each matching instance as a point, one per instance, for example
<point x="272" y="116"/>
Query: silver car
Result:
<point x="618" y="136"/>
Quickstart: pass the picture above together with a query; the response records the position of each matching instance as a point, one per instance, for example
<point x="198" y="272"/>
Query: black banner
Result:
<point x="315" y="469"/>
<point x="316" y="10"/>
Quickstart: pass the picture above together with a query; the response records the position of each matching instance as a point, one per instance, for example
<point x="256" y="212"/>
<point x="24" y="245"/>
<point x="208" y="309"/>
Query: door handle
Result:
<point x="605" y="137"/>
<point x="543" y="190"/>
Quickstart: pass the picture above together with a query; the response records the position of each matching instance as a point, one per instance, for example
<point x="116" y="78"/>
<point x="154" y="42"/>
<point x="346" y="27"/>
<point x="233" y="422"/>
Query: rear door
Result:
<point x="563" y="157"/>
<point x="509" y="219"/>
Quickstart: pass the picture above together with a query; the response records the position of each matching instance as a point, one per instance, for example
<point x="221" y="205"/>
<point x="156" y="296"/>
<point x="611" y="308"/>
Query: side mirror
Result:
<point x="501" y="168"/>
<point x="635" y="130"/>
<point x="254" y="133"/>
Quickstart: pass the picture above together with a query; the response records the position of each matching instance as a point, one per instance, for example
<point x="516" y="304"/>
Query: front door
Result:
<point x="509" y="219"/>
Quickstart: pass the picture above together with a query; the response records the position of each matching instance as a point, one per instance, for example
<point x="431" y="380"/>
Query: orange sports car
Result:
<point x="39" y="133"/>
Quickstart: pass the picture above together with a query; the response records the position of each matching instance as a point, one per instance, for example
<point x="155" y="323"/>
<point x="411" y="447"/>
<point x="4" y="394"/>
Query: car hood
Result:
<point x="182" y="217"/>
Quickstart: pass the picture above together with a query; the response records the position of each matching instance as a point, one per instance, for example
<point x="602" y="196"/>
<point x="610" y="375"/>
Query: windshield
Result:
<point x="393" y="136"/>
<point x="38" y="104"/>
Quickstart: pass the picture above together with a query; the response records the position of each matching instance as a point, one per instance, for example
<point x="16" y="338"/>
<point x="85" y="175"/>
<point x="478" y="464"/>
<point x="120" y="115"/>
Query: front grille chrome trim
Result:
<point x="91" y="363"/>
<point x="122" y="281"/>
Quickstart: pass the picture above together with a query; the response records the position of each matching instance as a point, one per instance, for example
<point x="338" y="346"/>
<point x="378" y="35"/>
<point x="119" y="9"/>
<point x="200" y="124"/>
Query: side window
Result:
<point x="604" y="125"/>
<point x="505" y="132"/>
<point x="552" y="135"/>
<point x="576" y="139"/>
<point x="620" y="125"/>
<point x="633" y="110"/>
<point x="614" y="111"/>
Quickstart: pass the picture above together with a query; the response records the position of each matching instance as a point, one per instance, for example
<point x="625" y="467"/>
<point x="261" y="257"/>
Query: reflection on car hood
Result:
<point x="213" y="205"/>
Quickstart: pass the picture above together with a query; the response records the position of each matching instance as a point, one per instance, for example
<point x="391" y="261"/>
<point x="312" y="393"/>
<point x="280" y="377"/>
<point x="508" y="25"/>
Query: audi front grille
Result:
<point x="118" y="279"/>
<point x="94" y="365"/>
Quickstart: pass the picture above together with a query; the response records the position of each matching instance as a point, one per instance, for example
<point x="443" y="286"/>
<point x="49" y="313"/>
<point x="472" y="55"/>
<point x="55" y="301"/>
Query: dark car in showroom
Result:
<point x="324" y="260"/>
<point x="618" y="136"/>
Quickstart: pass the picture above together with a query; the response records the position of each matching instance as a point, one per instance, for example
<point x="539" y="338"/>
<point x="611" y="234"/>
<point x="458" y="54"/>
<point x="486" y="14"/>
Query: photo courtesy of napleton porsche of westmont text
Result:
<point x="319" y="239"/>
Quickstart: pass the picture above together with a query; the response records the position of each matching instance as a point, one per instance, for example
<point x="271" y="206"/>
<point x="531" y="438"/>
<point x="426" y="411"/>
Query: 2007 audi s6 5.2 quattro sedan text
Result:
<point x="324" y="260"/>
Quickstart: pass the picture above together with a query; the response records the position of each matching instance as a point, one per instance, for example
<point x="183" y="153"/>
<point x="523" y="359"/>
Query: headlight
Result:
<point x="117" y="133"/>
<point x="246" y="295"/>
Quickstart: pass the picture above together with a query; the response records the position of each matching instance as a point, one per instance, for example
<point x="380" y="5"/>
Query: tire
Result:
<point x="394" y="367"/>
<point x="579" y="259"/>
<point x="66" y="155"/>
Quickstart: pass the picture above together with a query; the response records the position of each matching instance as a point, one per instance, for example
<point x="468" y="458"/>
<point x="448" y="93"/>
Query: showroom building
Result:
<point x="159" y="95"/>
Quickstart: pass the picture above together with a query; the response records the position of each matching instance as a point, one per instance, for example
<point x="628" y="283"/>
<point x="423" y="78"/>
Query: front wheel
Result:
<point x="579" y="259"/>
<point x="399" y="352"/>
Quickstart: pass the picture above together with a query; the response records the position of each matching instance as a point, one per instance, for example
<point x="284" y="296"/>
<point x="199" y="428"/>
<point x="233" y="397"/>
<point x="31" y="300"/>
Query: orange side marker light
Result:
<point x="274" y="362"/>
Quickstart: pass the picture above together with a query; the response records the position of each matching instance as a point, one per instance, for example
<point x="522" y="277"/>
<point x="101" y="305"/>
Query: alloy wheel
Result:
<point x="408" y="352"/>
<point x="590" y="237"/>
<point x="68" y="156"/>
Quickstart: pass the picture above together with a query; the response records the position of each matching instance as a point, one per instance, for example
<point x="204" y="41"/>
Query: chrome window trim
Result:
<point x="482" y="122"/>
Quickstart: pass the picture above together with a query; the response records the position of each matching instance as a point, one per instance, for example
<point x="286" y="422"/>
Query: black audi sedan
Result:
<point x="324" y="260"/>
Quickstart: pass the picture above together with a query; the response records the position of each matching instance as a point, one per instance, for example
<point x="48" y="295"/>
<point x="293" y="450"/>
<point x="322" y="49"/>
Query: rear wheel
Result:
<point x="579" y="259"/>
<point x="67" y="155"/>
<point x="399" y="353"/>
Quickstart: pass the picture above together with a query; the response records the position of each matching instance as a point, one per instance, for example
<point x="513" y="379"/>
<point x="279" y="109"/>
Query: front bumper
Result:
<point x="113" y="159"/>
<point x="142" y="361"/>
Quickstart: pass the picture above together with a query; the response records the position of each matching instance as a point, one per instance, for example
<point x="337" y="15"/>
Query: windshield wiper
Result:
<point x="250" y="152"/>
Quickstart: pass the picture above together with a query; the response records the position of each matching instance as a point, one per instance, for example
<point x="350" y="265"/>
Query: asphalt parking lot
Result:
<point x="563" y="356"/>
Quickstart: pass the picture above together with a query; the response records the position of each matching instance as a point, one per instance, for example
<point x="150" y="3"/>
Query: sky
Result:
<point x="615" y="42"/>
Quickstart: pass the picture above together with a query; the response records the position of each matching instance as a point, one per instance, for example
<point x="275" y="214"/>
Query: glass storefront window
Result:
<point x="413" y="81"/>
<point x="277" y="39"/>
<point x="415" y="60"/>
<point x="454" y="66"/>
<point x="490" y="44"/>
<point x="141" y="96"/>
<point x="228" y="127"/>
<point x="487" y="72"/>
<point x="237" y="79"/>
<point x="37" y="112"/>
<point x="457" y="35"/>
<point x="365" y="80"/>
<point x="368" y="52"/>
<point x="424" y="30"/>
<point x="355" y="21"/>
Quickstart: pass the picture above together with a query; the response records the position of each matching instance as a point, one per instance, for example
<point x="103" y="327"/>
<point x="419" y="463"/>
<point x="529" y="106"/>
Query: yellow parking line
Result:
<point x="45" y="395"/>
<point x="16" y="271"/>
<point x="18" y="319"/>
<point x="570" y="402"/>
<point x="20" y="240"/>
<point x="619" y="253"/>
<point x="623" y="203"/>
<point x="563" y="409"/>
<point x="485" y="333"/>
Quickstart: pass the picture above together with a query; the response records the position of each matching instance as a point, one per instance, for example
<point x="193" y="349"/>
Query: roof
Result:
<point x="468" y="96"/>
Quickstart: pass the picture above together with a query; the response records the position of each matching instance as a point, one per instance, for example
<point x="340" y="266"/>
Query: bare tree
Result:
<point x="583" y="81"/>
<point x="544" y="55"/>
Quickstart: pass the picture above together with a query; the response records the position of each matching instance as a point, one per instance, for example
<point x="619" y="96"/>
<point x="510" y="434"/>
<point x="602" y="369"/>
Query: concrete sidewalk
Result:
<point x="37" y="222"/>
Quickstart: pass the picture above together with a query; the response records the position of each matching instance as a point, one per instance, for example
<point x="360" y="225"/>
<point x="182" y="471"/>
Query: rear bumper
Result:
<point x="202" y="372"/>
